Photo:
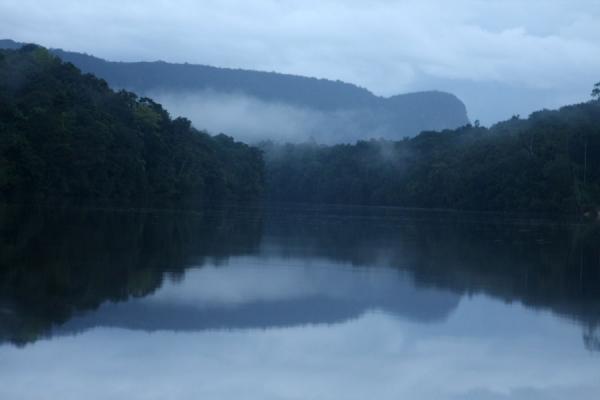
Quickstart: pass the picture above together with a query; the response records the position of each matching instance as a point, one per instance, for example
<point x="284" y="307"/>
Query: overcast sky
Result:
<point x="502" y="57"/>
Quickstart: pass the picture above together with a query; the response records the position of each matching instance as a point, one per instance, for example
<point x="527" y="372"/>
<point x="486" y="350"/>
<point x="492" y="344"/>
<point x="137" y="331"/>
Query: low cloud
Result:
<point x="253" y="120"/>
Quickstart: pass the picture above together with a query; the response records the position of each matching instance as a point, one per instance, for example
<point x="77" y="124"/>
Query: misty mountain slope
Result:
<point x="254" y="105"/>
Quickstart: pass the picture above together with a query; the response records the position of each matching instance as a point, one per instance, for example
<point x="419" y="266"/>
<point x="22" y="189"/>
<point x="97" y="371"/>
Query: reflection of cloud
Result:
<point x="267" y="292"/>
<point x="252" y="279"/>
<point x="234" y="285"/>
<point x="246" y="280"/>
<point x="250" y="292"/>
<point x="375" y="356"/>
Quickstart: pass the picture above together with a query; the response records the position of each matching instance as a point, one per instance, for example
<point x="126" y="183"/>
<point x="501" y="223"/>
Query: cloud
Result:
<point x="244" y="117"/>
<point x="253" y="120"/>
<point x="386" y="46"/>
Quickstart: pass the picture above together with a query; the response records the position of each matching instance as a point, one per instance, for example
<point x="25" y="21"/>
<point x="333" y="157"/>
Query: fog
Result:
<point x="252" y="120"/>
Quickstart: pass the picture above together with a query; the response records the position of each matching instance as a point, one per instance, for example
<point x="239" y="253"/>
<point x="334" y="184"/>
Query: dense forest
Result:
<point x="64" y="133"/>
<point x="549" y="162"/>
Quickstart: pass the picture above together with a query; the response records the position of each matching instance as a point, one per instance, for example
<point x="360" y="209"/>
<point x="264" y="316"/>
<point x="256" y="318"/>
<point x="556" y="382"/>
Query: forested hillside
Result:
<point x="63" y="133"/>
<point x="549" y="162"/>
<point x="332" y="111"/>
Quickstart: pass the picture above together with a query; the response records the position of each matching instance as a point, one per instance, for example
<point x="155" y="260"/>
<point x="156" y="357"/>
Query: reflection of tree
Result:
<point x="55" y="263"/>
<point x="60" y="261"/>
<point x="549" y="266"/>
<point x="591" y="337"/>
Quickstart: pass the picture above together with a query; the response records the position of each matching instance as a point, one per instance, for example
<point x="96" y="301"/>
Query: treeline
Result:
<point x="549" y="162"/>
<point x="64" y="133"/>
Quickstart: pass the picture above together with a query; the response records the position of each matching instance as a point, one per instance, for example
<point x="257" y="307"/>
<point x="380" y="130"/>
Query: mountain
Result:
<point x="254" y="105"/>
<point x="64" y="133"/>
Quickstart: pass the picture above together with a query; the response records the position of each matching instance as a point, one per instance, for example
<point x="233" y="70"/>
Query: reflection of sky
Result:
<point x="484" y="350"/>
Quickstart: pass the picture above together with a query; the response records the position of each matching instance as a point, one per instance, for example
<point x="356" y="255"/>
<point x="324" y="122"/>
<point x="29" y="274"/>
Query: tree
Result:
<point x="596" y="91"/>
<point x="63" y="133"/>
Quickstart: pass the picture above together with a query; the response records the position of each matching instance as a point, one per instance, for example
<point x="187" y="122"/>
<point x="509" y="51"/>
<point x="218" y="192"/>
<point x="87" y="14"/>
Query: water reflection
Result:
<point x="295" y="303"/>
<point x="549" y="266"/>
<point x="228" y="268"/>
<point x="273" y="294"/>
<point x="57" y="262"/>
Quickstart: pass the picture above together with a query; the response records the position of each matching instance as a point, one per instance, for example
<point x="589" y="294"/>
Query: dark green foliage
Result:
<point x="547" y="163"/>
<point x="64" y="133"/>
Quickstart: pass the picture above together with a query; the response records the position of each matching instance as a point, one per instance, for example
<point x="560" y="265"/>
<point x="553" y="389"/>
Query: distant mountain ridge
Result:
<point x="345" y="111"/>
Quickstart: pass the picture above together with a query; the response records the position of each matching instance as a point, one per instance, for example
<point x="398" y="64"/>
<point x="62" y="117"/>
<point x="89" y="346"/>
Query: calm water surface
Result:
<point x="296" y="303"/>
